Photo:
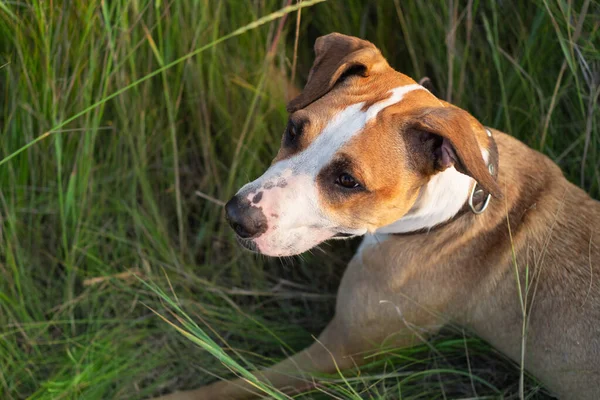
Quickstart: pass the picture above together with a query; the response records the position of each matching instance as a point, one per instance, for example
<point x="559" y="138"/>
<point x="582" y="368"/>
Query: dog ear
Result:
<point x="455" y="144"/>
<point x="337" y="56"/>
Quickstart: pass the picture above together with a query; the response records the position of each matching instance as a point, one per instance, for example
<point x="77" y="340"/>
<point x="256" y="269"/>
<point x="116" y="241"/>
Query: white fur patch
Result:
<point x="442" y="197"/>
<point x="397" y="95"/>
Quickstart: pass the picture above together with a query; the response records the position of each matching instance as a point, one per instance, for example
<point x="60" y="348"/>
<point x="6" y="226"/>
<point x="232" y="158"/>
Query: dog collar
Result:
<point x="480" y="193"/>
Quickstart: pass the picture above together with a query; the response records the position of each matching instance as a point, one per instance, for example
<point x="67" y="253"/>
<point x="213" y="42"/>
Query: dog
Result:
<point x="462" y="224"/>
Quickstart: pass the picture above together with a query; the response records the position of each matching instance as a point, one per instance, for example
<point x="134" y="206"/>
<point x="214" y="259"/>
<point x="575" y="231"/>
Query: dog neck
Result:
<point x="444" y="198"/>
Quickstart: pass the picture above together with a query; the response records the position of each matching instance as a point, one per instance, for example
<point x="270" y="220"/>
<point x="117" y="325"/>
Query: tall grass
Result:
<point x="100" y="204"/>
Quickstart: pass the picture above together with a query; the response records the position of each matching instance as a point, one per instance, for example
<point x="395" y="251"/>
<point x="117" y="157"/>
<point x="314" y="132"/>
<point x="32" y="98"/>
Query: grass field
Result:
<point x="115" y="114"/>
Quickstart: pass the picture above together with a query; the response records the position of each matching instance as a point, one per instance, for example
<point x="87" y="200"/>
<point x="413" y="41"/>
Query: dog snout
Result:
<point x="247" y="220"/>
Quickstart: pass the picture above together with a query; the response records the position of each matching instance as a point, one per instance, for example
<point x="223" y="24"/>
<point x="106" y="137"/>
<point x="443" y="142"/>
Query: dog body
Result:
<point x="465" y="273"/>
<point x="369" y="152"/>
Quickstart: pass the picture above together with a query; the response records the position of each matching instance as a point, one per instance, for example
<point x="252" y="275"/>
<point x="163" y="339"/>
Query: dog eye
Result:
<point x="292" y="131"/>
<point x="347" y="181"/>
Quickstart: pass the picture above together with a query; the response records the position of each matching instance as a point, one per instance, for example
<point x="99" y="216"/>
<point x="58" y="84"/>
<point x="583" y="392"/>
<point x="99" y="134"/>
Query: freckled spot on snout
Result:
<point x="269" y="185"/>
<point x="274" y="215"/>
<point x="257" y="197"/>
<point x="281" y="183"/>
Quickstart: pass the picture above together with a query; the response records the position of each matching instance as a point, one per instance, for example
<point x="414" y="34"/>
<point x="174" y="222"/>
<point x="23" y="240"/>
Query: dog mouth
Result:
<point x="343" y="235"/>
<point x="248" y="244"/>
<point x="253" y="246"/>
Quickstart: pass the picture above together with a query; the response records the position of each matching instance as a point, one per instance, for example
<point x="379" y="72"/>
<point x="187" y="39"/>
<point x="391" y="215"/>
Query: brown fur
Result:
<point x="471" y="271"/>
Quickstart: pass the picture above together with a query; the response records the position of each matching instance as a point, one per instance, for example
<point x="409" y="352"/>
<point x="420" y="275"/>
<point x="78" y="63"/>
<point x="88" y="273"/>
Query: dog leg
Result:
<point x="330" y="353"/>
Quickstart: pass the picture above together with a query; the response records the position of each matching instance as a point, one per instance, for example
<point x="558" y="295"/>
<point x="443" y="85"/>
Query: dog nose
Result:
<point x="246" y="220"/>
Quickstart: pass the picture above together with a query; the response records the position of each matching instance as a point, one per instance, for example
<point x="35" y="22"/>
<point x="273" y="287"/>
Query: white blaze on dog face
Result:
<point x="288" y="195"/>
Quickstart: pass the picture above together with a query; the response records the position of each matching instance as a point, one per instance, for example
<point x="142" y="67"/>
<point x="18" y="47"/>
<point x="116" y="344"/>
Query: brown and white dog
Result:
<point x="367" y="151"/>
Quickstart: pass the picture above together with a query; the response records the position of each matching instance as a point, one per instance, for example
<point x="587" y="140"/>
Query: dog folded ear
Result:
<point x="337" y="56"/>
<point x="457" y="146"/>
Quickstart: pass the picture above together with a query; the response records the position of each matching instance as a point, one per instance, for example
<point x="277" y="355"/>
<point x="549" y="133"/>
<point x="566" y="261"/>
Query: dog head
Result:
<point x="365" y="147"/>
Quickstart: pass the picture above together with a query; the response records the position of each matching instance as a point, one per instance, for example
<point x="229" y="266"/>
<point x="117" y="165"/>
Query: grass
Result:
<point x="115" y="113"/>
